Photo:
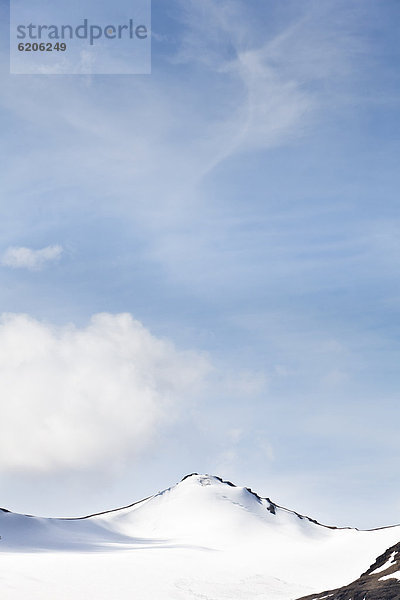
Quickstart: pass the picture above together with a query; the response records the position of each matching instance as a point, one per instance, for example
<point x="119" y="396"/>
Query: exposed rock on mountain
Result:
<point x="380" y="582"/>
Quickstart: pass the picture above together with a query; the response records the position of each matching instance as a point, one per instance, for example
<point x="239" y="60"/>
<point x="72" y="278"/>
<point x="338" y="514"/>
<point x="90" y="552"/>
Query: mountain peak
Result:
<point x="205" y="479"/>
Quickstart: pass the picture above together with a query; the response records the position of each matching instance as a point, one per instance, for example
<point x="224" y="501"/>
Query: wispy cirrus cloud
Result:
<point x="21" y="257"/>
<point x="279" y="77"/>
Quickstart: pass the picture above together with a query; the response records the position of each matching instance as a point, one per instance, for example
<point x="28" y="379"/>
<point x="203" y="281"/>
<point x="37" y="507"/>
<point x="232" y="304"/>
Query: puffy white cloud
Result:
<point x="79" y="398"/>
<point x="20" y="257"/>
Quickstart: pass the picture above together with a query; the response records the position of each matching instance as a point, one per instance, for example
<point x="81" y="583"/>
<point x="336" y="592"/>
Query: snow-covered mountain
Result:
<point x="202" y="538"/>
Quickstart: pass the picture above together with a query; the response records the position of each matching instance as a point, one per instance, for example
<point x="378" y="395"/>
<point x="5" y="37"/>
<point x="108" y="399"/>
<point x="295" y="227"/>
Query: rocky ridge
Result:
<point x="380" y="582"/>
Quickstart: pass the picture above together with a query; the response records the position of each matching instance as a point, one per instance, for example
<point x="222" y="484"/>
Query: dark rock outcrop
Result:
<point x="374" y="584"/>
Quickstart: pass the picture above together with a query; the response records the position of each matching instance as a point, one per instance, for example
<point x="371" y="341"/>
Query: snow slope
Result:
<point x="202" y="538"/>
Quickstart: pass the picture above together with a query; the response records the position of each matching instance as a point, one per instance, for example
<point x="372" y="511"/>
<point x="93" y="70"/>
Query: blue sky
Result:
<point x="240" y="202"/>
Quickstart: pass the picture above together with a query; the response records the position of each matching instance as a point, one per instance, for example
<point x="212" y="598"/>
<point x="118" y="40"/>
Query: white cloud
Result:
<point x="91" y="397"/>
<point x="20" y="257"/>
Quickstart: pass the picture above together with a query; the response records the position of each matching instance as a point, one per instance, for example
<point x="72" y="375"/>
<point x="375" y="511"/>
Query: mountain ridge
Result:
<point x="272" y="506"/>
